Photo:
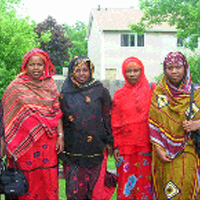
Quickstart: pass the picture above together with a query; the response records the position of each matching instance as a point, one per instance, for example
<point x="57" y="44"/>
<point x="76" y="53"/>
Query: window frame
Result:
<point x="132" y="40"/>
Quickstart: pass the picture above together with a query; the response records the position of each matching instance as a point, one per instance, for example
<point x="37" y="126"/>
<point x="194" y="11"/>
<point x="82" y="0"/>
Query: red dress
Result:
<point x="129" y="120"/>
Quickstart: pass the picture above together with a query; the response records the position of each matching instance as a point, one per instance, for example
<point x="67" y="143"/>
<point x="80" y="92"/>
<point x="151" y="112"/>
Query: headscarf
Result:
<point x="31" y="108"/>
<point x="170" y="107"/>
<point x="179" y="59"/>
<point x="49" y="68"/>
<point x="136" y="97"/>
<point x="71" y="85"/>
<point x="131" y="106"/>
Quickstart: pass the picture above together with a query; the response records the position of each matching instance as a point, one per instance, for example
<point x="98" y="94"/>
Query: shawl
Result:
<point x="129" y="117"/>
<point x="170" y="107"/>
<point x="86" y="117"/>
<point x="31" y="108"/>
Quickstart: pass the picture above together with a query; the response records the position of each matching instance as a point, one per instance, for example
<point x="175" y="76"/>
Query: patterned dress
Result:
<point x="178" y="179"/>
<point x="31" y="113"/>
<point x="86" y="119"/>
<point x="129" y="120"/>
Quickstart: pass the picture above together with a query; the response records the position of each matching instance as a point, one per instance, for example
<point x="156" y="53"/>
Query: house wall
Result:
<point x="157" y="45"/>
<point x="94" y="49"/>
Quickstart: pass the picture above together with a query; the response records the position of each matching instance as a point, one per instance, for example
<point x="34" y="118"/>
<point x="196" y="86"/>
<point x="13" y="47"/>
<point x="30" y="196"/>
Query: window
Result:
<point x="188" y="42"/>
<point x="179" y="42"/>
<point x="111" y="74"/>
<point x="132" y="40"/>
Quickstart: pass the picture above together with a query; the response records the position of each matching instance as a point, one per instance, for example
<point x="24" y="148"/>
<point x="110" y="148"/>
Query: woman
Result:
<point x="86" y="105"/>
<point x="33" y="125"/>
<point x="129" y="120"/>
<point x="175" y="162"/>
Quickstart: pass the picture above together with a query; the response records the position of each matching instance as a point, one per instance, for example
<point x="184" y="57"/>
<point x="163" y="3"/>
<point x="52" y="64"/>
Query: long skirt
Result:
<point x="80" y="181"/>
<point x="94" y="183"/>
<point x="178" y="179"/>
<point x="40" y="165"/>
<point x="134" y="177"/>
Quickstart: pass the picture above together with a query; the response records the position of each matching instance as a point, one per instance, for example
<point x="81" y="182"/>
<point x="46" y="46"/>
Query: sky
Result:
<point x="68" y="11"/>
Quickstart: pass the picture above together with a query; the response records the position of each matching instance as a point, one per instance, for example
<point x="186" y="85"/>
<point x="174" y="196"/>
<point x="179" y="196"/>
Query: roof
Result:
<point x="119" y="19"/>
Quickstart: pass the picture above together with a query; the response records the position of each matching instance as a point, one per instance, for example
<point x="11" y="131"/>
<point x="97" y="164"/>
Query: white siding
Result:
<point x="94" y="49"/>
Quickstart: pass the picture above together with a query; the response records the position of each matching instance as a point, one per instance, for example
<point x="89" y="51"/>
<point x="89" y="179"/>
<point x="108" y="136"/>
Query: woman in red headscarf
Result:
<point x="33" y="126"/>
<point x="129" y="120"/>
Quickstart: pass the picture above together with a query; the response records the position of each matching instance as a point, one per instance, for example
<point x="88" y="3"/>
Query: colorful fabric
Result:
<point x="106" y="183"/>
<point x="31" y="109"/>
<point x="80" y="181"/>
<point x="1" y="122"/>
<point x="129" y="118"/>
<point x="31" y="112"/>
<point x="169" y="108"/>
<point x="40" y="166"/>
<point x="179" y="179"/>
<point x="86" y="119"/>
<point x="134" y="178"/>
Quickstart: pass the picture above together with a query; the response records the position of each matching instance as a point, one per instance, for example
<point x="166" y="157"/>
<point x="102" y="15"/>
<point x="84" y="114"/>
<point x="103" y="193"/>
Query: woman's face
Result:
<point x="82" y="74"/>
<point x="35" y="67"/>
<point x="175" y="73"/>
<point x="132" y="74"/>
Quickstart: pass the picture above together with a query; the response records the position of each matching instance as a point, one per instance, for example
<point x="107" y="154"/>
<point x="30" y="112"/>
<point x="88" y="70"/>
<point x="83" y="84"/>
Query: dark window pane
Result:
<point x="132" y="42"/>
<point x="140" y="40"/>
<point x="124" y="40"/>
<point x="179" y="42"/>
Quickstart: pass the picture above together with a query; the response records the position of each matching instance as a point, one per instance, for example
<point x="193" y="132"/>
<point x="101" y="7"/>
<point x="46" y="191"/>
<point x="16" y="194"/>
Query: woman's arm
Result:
<point x="60" y="140"/>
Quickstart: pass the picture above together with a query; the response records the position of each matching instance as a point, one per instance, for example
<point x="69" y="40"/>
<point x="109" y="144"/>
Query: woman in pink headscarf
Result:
<point x="129" y="120"/>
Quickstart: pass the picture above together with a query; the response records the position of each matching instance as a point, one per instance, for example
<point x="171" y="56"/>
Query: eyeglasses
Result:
<point x="170" y="68"/>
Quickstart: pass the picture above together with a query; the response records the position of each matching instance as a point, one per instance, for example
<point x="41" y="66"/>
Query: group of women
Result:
<point x="146" y="127"/>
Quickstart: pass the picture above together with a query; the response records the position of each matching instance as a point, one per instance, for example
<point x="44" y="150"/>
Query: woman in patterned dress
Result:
<point x="175" y="163"/>
<point x="86" y="106"/>
<point x="129" y="120"/>
<point x="33" y="125"/>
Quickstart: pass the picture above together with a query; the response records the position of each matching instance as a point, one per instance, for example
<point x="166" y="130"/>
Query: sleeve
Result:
<point x="106" y="115"/>
<point x="116" y="121"/>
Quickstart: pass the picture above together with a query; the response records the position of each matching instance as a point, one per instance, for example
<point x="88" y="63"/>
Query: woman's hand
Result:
<point x="110" y="149"/>
<point x="190" y="125"/>
<point x="163" y="156"/>
<point x="60" y="144"/>
<point x="117" y="155"/>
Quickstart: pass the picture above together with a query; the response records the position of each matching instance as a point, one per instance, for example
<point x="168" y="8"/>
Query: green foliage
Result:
<point x="194" y="63"/>
<point x="16" y="38"/>
<point x="184" y="14"/>
<point x="77" y="34"/>
<point x="53" y="40"/>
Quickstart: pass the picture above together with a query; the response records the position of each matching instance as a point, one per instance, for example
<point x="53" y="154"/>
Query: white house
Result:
<point x="110" y="42"/>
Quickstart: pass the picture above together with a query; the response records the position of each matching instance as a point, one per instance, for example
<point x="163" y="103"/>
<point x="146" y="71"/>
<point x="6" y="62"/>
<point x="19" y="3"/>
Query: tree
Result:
<point x="77" y="34"/>
<point x="16" y="38"/>
<point x="184" y="14"/>
<point x="53" y="40"/>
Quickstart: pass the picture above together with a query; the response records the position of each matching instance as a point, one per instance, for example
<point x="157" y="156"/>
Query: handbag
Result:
<point x="12" y="181"/>
<point x="195" y="134"/>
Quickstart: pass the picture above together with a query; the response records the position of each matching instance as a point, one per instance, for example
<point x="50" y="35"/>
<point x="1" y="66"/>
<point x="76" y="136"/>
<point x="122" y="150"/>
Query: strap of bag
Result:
<point x="191" y="101"/>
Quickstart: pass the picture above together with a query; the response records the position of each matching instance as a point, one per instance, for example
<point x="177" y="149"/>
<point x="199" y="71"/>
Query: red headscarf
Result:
<point x="131" y="106"/>
<point x="49" y="68"/>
